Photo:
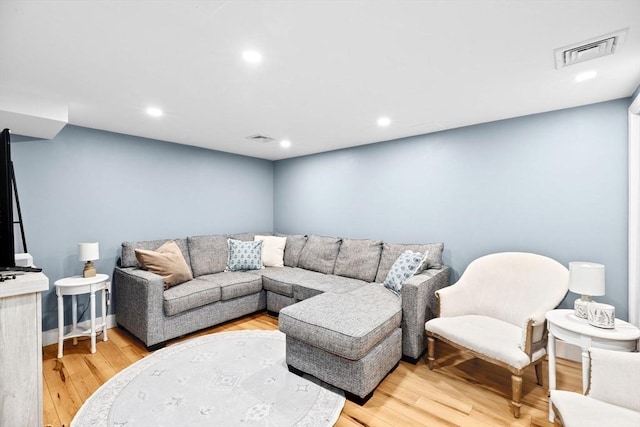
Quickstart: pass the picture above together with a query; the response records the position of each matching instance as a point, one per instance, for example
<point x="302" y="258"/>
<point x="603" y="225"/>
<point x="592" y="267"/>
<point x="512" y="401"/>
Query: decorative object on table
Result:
<point x="225" y="379"/>
<point x="586" y="279"/>
<point x="601" y="315"/>
<point x="88" y="252"/>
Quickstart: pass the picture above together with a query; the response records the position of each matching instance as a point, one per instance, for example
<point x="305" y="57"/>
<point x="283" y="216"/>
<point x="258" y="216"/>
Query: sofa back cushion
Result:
<point x="293" y="247"/>
<point x="128" y="258"/>
<point x="358" y="259"/>
<point x="319" y="254"/>
<point x="391" y="252"/>
<point x="209" y="254"/>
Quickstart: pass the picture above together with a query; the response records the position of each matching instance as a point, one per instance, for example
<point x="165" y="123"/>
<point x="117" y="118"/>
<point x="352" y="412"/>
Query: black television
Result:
<point x="7" y="243"/>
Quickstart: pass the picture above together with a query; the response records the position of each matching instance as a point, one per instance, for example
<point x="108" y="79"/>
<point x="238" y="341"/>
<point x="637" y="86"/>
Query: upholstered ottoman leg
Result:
<point x="431" y="350"/>
<point x="516" y="390"/>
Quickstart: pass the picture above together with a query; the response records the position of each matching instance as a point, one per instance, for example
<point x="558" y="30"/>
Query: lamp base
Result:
<point x="89" y="270"/>
<point x="580" y="306"/>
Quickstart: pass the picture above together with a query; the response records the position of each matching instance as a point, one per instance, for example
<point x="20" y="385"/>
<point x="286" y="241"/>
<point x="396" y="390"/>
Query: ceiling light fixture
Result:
<point x="252" y="56"/>
<point x="153" y="111"/>
<point x="587" y="75"/>
<point x="384" y="121"/>
<point x="285" y="143"/>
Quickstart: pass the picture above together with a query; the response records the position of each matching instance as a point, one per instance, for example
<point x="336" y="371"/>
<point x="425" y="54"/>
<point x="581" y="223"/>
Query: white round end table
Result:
<point x="565" y="326"/>
<point x="75" y="286"/>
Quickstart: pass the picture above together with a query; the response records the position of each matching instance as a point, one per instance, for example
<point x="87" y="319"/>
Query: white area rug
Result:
<point x="224" y="379"/>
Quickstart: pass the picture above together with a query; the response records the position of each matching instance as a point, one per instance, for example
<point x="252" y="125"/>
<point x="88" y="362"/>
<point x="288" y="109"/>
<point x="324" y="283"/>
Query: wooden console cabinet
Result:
<point x="21" y="350"/>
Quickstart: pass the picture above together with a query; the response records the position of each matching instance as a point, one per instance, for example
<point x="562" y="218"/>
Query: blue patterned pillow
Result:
<point x="244" y="255"/>
<point x="405" y="266"/>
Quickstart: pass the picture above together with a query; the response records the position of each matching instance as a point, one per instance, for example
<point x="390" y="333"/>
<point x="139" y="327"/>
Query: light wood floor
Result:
<point x="460" y="391"/>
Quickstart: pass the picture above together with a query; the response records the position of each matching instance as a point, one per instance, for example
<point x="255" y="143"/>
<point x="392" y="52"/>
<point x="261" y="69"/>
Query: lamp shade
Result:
<point x="88" y="251"/>
<point x="586" y="278"/>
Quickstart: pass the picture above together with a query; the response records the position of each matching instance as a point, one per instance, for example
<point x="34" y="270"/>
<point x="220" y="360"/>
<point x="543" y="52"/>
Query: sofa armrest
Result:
<point x="139" y="303"/>
<point x="418" y="306"/>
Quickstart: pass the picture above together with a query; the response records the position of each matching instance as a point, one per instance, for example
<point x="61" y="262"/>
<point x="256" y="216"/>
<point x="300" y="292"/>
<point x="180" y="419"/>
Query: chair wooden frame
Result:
<point x="535" y="283"/>
<point x="516" y="373"/>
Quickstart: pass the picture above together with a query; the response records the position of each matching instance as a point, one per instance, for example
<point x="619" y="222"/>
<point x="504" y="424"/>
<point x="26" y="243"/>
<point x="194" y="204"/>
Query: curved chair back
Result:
<point x="511" y="285"/>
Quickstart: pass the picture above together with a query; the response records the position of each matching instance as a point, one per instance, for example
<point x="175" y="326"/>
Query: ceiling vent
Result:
<point x="260" y="138"/>
<point x="589" y="49"/>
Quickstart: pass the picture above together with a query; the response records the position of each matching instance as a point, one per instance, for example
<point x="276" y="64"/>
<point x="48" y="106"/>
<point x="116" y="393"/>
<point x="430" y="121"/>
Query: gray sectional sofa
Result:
<point x="342" y="325"/>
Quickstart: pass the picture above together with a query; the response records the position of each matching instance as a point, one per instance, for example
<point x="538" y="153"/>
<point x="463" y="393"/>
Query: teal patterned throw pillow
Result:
<point x="407" y="264"/>
<point x="244" y="255"/>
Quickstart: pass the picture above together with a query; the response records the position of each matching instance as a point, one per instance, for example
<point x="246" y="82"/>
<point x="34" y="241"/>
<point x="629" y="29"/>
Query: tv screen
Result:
<point x="7" y="245"/>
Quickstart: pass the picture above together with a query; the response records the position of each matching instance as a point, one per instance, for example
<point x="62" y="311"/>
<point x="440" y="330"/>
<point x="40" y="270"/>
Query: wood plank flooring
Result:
<point x="460" y="391"/>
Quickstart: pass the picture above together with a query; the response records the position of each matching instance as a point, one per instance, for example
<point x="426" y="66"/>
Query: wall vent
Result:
<point x="260" y="138"/>
<point x="589" y="49"/>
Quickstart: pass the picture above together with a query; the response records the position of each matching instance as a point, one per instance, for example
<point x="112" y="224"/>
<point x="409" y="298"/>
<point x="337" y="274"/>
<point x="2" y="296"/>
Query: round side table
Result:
<point x="565" y="326"/>
<point x="75" y="286"/>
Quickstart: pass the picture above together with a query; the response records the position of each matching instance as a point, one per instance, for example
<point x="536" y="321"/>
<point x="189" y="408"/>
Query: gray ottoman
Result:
<point x="351" y="341"/>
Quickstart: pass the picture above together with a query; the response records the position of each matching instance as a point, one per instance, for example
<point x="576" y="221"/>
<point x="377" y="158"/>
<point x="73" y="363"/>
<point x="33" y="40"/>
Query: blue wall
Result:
<point x="90" y="185"/>
<point x="552" y="183"/>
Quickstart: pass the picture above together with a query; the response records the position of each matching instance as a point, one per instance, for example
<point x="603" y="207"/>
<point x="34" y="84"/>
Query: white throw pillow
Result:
<point x="272" y="250"/>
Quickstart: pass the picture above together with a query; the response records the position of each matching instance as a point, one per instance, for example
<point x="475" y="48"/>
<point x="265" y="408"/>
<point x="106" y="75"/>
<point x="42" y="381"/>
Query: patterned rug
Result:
<point x="225" y="379"/>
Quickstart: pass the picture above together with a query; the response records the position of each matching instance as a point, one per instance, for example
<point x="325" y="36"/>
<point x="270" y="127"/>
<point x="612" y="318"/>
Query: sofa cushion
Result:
<point x="348" y="325"/>
<point x="295" y="243"/>
<point x="327" y="283"/>
<point x="246" y="237"/>
<point x="244" y="255"/>
<point x="168" y="262"/>
<point x="281" y="280"/>
<point x="208" y="254"/>
<point x="128" y="258"/>
<point x="192" y="294"/>
<point x="234" y="284"/>
<point x="391" y="252"/>
<point x="319" y="254"/>
<point x="358" y="259"/>
<point x="272" y="250"/>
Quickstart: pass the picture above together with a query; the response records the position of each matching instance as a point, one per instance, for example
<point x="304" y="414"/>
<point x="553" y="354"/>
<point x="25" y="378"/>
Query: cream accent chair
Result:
<point x="497" y="311"/>
<point x="613" y="397"/>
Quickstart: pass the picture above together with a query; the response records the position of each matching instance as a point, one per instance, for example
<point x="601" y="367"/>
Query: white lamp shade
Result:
<point x="586" y="278"/>
<point x="88" y="251"/>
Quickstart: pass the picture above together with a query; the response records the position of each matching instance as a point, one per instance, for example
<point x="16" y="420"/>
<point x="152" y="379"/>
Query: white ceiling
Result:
<point x="329" y="69"/>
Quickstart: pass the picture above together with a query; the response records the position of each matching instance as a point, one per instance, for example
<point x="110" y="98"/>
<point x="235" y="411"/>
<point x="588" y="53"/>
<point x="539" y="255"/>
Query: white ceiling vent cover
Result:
<point x="260" y="138"/>
<point x="589" y="49"/>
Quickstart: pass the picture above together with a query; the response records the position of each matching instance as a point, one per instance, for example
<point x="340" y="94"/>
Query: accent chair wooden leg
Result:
<point x="431" y="344"/>
<point x="516" y="391"/>
<point x="539" y="375"/>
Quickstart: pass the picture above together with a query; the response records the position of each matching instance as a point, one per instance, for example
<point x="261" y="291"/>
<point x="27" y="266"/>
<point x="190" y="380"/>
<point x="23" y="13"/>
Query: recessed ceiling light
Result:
<point x="252" y="56"/>
<point x="153" y="111"/>
<point x="384" y="121"/>
<point x="285" y="143"/>
<point x="587" y="75"/>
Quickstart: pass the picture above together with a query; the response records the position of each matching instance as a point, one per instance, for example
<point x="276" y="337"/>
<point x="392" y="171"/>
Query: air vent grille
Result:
<point x="261" y="138"/>
<point x="590" y="49"/>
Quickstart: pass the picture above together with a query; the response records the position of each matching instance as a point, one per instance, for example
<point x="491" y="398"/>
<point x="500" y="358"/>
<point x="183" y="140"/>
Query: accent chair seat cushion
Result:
<point x="348" y="325"/>
<point x="579" y="411"/>
<point x="485" y="335"/>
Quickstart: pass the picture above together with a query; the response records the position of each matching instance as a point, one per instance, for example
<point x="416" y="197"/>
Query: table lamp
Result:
<point x="586" y="279"/>
<point x="88" y="252"/>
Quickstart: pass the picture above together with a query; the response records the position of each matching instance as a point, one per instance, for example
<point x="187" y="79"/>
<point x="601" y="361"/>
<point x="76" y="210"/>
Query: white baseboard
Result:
<point x="51" y="336"/>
